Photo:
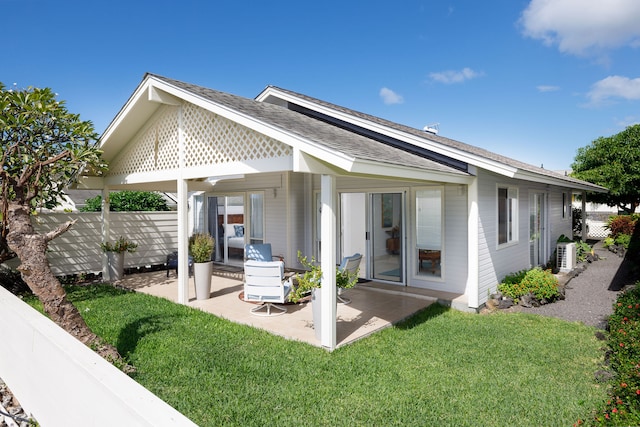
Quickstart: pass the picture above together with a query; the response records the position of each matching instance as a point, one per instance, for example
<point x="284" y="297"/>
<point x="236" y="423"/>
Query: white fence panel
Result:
<point x="61" y="382"/>
<point x="78" y="250"/>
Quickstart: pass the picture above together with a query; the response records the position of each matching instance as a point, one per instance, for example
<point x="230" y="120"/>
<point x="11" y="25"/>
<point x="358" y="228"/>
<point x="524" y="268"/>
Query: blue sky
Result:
<point x="530" y="79"/>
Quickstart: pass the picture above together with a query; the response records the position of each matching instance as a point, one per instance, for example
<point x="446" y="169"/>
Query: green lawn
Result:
<point x="441" y="367"/>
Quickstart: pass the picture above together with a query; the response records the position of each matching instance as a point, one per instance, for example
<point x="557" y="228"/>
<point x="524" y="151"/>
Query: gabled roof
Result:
<point x="335" y="146"/>
<point x="470" y="154"/>
<point x="349" y="140"/>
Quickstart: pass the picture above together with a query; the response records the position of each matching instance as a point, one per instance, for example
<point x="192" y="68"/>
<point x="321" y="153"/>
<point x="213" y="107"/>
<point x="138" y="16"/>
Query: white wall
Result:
<point x="61" y="382"/>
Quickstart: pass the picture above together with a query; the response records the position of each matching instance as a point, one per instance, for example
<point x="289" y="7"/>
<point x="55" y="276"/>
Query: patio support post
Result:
<point x="585" y="233"/>
<point x="183" y="218"/>
<point x="473" y="252"/>
<point x="105" y="207"/>
<point x="328" y="261"/>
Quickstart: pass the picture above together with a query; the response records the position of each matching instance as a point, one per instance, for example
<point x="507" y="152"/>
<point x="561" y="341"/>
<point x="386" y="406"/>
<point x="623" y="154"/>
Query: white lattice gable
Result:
<point x="211" y="144"/>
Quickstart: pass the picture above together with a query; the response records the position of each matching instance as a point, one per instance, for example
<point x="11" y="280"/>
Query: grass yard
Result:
<point x="441" y="367"/>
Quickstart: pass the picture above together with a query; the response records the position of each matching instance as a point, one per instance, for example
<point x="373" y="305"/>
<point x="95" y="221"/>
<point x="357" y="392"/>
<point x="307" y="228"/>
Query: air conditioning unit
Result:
<point x="566" y="257"/>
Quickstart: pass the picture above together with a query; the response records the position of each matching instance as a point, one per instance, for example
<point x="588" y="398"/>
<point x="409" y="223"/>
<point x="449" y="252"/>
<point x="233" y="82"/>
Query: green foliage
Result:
<point x="621" y="224"/>
<point x="623" y="240"/>
<point x="582" y="250"/>
<point x="312" y="278"/>
<point x="612" y="162"/>
<point x="120" y="245"/>
<point x="43" y="148"/>
<point x="623" y="406"/>
<point x="432" y="369"/>
<point x="128" y="201"/>
<point x="201" y="247"/>
<point x="541" y="283"/>
<point x="608" y="242"/>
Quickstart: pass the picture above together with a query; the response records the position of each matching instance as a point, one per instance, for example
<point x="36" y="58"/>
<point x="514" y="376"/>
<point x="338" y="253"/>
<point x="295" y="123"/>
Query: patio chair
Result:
<point x="172" y="263"/>
<point x="350" y="264"/>
<point x="261" y="252"/>
<point x="264" y="282"/>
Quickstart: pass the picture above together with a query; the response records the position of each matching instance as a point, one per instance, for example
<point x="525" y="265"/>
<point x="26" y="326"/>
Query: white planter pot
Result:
<point x="115" y="265"/>
<point x="202" y="277"/>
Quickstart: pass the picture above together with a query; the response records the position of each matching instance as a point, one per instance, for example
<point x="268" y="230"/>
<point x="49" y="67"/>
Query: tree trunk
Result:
<point x="31" y="248"/>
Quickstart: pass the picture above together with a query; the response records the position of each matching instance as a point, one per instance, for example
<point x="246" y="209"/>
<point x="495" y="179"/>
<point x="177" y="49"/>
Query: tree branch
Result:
<point x="60" y="230"/>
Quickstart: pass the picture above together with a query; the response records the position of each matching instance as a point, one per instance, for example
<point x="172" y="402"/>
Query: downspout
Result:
<point x="328" y="261"/>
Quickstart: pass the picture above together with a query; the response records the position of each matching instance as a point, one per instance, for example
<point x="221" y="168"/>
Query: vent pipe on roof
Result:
<point x="433" y="128"/>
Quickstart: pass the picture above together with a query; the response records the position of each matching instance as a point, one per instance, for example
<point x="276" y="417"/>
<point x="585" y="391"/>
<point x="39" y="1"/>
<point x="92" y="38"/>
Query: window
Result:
<point x="507" y="215"/>
<point x="429" y="231"/>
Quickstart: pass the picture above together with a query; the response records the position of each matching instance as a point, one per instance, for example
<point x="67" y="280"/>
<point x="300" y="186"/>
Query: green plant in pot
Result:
<point x="312" y="277"/>
<point x="201" y="248"/>
<point x="115" y="256"/>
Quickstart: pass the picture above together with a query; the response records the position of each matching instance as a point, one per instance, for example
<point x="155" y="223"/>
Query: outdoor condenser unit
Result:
<point x="566" y="260"/>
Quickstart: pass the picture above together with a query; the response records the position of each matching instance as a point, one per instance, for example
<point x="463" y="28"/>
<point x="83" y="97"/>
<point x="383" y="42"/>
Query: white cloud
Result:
<point x="547" y="88"/>
<point x="390" y="97"/>
<point x="583" y="27"/>
<point x="452" y="76"/>
<point x="614" y="87"/>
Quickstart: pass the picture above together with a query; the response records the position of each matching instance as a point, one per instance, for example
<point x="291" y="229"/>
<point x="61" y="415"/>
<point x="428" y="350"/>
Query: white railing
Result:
<point x="61" y="382"/>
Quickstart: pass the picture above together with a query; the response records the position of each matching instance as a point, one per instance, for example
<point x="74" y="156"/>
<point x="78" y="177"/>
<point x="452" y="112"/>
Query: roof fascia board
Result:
<point x="478" y="161"/>
<point x="137" y="95"/>
<point x="414" y="174"/>
<point x="527" y="176"/>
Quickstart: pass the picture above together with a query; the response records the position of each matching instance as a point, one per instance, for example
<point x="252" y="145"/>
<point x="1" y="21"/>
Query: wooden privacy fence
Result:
<point x="78" y="250"/>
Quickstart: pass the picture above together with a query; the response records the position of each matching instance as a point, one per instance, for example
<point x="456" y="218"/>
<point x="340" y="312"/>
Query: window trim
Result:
<point x="513" y="195"/>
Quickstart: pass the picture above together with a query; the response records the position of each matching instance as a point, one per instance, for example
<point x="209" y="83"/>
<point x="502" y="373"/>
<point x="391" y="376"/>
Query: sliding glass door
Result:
<point x="387" y="237"/>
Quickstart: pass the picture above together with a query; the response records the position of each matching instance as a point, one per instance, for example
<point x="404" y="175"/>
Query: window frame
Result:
<point x="512" y="212"/>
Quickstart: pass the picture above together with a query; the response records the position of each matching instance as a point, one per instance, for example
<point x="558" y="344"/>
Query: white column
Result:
<point x="105" y="206"/>
<point x="183" y="217"/>
<point x="183" y="239"/>
<point x="473" y="291"/>
<point x="585" y="234"/>
<point x="328" y="261"/>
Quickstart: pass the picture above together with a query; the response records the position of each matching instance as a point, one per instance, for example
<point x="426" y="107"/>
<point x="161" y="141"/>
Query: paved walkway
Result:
<point x="590" y="295"/>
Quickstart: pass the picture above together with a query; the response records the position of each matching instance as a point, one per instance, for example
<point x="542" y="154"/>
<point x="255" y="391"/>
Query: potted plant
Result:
<point x="310" y="281"/>
<point x="115" y="256"/>
<point x="201" y="248"/>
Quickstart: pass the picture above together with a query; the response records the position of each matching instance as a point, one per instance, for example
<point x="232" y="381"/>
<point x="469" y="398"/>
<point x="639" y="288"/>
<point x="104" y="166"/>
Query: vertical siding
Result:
<point x="78" y="250"/>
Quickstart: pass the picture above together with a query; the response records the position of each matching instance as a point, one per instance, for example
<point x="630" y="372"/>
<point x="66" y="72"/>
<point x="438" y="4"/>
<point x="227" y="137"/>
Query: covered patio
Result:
<point x="373" y="306"/>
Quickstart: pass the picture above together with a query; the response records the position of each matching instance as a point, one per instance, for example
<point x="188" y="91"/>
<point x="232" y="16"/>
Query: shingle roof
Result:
<point x="326" y="135"/>
<point x="350" y="143"/>
<point x="461" y="146"/>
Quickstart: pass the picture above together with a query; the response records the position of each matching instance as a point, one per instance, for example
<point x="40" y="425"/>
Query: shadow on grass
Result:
<point x="423" y="316"/>
<point x="133" y="332"/>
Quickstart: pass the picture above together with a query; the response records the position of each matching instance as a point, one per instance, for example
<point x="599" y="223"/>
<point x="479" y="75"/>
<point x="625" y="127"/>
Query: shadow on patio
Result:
<point x="369" y="311"/>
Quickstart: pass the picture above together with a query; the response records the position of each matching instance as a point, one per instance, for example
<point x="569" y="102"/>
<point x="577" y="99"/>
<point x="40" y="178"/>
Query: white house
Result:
<point x="307" y="175"/>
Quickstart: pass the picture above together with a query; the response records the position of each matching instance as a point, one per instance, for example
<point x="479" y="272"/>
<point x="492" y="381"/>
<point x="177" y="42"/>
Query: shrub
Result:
<point x="542" y="284"/>
<point x="582" y="250"/>
<point x="623" y="408"/>
<point x="623" y="239"/>
<point x="621" y="224"/>
<point x="128" y="201"/>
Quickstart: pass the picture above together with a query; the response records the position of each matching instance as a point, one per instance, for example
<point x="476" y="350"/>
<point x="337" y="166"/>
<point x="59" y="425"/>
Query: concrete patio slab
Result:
<point x="369" y="311"/>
